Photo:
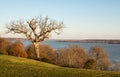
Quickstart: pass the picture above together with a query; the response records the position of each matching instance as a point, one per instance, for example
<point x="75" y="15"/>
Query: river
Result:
<point x="113" y="50"/>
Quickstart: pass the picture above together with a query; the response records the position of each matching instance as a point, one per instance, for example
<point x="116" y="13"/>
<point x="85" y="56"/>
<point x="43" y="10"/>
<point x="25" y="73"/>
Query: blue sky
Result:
<point x="84" y="19"/>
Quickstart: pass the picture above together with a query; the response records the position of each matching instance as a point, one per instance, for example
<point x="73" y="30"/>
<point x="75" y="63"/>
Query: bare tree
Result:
<point x="36" y="29"/>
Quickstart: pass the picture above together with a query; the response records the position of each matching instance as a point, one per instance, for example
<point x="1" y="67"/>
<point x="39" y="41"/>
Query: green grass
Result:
<point x="20" y="67"/>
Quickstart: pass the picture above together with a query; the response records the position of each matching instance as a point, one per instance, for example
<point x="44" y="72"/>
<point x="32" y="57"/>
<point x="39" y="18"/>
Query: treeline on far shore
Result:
<point x="92" y="41"/>
<point x="109" y="41"/>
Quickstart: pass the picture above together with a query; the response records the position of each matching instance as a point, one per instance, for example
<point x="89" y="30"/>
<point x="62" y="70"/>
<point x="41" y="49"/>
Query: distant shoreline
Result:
<point x="92" y="41"/>
<point x="109" y="41"/>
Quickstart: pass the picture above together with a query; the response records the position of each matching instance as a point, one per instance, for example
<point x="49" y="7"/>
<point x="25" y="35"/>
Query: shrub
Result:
<point x="116" y="67"/>
<point x="101" y="57"/>
<point x="17" y="49"/>
<point x="31" y="52"/>
<point x="45" y="52"/>
<point x="3" y="51"/>
<point x="45" y="60"/>
<point x="72" y="56"/>
<point x="4" y="44"/>
<point x="90" y="64"/>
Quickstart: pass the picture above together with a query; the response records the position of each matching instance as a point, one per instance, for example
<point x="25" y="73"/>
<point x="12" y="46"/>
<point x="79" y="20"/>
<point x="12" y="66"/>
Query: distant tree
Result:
<point x="17" y="49"/>
<point x="101" y="57"/>
<point x="72" y="56"/>
<point x="36" y="30"/>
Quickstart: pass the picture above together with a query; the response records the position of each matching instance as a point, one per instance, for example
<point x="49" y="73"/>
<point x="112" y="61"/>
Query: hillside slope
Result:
<point x="20" y="67"/>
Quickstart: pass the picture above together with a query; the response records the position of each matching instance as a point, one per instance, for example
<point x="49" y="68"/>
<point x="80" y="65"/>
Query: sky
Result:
<point x="83" y="19"/>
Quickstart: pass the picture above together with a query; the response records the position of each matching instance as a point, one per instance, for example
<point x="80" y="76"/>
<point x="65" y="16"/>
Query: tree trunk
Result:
<point x="36" y="45"/>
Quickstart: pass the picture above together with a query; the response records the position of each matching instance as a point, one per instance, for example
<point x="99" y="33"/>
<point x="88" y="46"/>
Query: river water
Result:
<point x="113" y="50"/>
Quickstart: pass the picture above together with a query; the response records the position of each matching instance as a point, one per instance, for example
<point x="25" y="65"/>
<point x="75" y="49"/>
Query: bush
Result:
<point x="116" y="67"/>
<point x="3" y="51"/>
<point x="101" y="57"/>
<point x="17" y="49"/>
<point x="90" y="64"/>
<point x="31" y="52"/>
<point x="45" y="52"/>
<point x="72" y="56"/>
<point x="4" y="44"/>
<point x="45" y="60"/>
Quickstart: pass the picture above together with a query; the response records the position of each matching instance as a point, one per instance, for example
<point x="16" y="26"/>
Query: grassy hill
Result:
<point x="20" y="67"/>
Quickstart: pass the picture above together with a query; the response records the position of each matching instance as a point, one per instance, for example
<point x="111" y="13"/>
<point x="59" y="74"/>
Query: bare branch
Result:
<point x="17" y="27"/>
<point x="29" y="36"/>
<point x="37" y="29"/>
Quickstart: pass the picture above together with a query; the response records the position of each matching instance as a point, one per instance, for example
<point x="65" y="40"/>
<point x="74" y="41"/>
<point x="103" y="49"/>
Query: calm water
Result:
<point x="113" y="50"/>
